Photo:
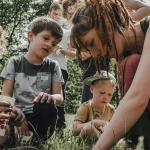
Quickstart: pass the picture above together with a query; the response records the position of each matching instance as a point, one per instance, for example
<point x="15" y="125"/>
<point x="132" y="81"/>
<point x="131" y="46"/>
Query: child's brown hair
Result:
<point x="65" y="5"/>
<point x="40" y="24"/>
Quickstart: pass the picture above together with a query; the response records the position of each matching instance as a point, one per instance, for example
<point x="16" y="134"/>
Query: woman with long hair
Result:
<point x="105" y="28"/>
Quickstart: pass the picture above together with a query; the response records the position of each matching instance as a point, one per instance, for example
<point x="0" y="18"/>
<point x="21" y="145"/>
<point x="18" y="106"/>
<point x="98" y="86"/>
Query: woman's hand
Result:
<point x="42" y="98"/>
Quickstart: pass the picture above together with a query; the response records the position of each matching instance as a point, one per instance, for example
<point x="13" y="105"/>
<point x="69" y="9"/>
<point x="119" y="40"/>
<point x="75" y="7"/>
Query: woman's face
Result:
<point x="92" y="42"/>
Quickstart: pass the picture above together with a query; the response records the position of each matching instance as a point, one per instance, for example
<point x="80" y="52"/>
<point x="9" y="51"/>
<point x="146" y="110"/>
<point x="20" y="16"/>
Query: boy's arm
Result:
<point x="7" y="88"/>
<point x="141" y="9"/>
<point x="57" y="95"/>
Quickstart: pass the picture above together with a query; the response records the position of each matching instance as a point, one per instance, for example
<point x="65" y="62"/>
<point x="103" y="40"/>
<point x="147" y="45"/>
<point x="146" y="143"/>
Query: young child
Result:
<point x="34" y="80"/>
<point x="61" y="54"/>
<point x="94" y="114"/>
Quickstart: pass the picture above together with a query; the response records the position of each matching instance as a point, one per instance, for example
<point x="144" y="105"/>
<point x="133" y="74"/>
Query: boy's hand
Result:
<point x="42" y="98"/>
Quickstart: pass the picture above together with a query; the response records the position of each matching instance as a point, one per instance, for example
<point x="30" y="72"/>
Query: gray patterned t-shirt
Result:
<point x="30" y="80"/>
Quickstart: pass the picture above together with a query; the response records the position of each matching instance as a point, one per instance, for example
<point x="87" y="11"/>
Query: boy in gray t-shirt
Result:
<point x="34" y="80"/>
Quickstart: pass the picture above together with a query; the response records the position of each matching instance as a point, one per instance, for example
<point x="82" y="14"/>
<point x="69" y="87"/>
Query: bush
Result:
<point x="73" y="87"/>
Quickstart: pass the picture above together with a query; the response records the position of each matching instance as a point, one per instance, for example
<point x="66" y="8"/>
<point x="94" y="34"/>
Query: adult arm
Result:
<point x="133" y="103"/>
<point x="141" y="9"/>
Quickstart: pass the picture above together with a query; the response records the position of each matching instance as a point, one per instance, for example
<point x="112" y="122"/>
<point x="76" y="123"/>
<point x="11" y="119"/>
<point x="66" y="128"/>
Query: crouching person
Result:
<point x="94" y="114"/>
<point x="34" y="80"/>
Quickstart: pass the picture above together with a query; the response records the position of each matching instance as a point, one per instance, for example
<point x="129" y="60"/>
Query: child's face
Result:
<point x="102" y="92"/>
<point x="71" y="9"/>
<point x="55" y="14"/>
<point x="42" y="44"/>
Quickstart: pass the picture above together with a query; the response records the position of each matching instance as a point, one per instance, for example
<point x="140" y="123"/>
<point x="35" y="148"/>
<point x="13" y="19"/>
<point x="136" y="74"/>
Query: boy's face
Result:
<point x="55" y="14"/>
<point x="71" y="9"/>
<point x="102" y="92"/>
<point x="43" y="43"/>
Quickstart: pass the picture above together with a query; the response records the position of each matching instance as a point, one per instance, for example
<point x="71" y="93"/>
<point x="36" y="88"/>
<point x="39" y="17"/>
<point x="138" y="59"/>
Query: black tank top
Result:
<point x="145" y="24"/>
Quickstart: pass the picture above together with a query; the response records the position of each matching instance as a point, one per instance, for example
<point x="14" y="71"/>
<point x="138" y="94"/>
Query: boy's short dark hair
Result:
<point x="40" y="24"/>
<point x="65" y="6"/>
<point x="55" y="6"/>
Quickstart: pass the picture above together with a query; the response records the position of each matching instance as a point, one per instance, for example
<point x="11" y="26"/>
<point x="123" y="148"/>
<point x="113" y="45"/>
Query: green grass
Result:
<point x="67" y="141"/>
<point x="70" y="142"/>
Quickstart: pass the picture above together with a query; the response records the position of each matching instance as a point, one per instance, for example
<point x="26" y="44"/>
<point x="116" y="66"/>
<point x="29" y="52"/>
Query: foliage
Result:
<point x="74" y="86"/>
<point x="15" y="15"/>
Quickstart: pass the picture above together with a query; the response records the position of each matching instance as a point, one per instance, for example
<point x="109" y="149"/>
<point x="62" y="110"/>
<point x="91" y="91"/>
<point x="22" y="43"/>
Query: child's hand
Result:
<point x="99" y="123"/>
<point x="87" y="129"/>
<point x="42" y="98"/>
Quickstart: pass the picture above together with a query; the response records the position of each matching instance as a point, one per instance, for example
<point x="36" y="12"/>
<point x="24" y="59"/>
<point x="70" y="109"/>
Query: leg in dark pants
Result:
<point x="44" y="116"/>
<point x="141" y="128"/>
<point x="61" y="110"/>
<point x="127" y="69"/>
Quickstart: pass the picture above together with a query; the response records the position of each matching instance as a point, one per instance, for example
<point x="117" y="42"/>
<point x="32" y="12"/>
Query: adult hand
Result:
<point x="17" y="116"/>
<point x="5" y="110"/>
<point x="42" y="98"/>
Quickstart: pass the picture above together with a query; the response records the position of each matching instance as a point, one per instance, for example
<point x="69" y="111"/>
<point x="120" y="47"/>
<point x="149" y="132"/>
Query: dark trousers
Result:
<point x="141" y="128"/>
<point x="61" y="110"/>
<point x="43" y="119"/>
<point x="127" y="69"/>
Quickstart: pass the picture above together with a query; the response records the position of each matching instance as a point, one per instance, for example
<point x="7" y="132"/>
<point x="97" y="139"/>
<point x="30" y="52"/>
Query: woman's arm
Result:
<point x="133" y="103"/>
<point x="141" y="9"/>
